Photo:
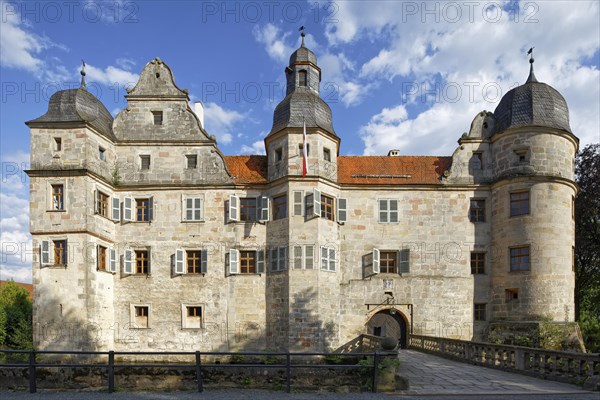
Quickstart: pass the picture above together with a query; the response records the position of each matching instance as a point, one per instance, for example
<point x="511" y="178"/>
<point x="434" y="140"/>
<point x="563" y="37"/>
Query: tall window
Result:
<point x="141" y="261"/>
<point x="388" y="262"/>
<point x="101" y="258"/>
<point x="142" y="210"/>
<point x="327" y="258"/>
<point x="145" y="162"/>
<point x="388" y="211"/>
<point x="60" y="252"/>
<point x="248" y="209"/>
<point x="302" y="75"/>
<point x="326" y="154"/>
<point x="247" y="262"/>
<point x="519" y="258"/>
<point x="102" y="204"/>
<point x="280" y="207"/>
<point x="519" y="203"/>
<point x="477" y="263"/>
<point x="327" y="210"/>
<point x="57" y="144"/>
<point x="194" y="261"/>
<point x="477" y="210"/>
<point x="191" y="161"/>
<point x="477" y="160"/>
<point x="58" y="193"/>
<point x="193" y="209"/>
<point x="141" y="315"/>
<point x="157" y="117"/>
<point x="101" y="153"/>
<point x="479" y="309"/>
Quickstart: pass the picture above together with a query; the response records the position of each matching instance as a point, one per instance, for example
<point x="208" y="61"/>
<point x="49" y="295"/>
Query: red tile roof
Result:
<point x="26" y="286"/>
<point x="247" y="169"/>
<point x="391" y="170"/>
<point x="357" y="170"/>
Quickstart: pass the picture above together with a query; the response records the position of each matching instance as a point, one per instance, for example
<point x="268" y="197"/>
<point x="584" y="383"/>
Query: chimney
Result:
<point x="393" y="153"/>
<point x="199" y="111"/>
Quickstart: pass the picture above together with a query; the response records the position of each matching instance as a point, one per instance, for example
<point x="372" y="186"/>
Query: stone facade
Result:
<point x="170" y="245"/>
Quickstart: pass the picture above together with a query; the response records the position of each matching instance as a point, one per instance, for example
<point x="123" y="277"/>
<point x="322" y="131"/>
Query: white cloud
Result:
<point x="257" y="147"/>
<point x="125" y="63"/>
<point x="110" y="76"/>
<point x="220" y="121"/>
<point x="274" y="41"/>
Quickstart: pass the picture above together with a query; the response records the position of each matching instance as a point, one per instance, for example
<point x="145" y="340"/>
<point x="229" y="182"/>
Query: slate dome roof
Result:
<point x="303" y="54"/>
<point x="532" y="104"/>
<point x="302" y="105"/>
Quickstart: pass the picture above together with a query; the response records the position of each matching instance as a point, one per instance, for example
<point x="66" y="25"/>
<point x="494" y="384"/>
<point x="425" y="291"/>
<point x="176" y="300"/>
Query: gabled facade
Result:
<point x="150" y="238"/>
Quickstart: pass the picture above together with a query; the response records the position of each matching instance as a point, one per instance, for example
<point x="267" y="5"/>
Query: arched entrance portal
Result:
<point x="386" y="323"/>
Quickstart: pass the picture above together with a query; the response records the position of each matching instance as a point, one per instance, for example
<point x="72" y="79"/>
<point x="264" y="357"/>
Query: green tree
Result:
<point x="15" y="317"/>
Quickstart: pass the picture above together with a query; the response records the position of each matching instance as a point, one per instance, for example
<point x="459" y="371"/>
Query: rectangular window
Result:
<point x="194" y="311"/>
<point x="101" y="152"/>
<point x="278" y="256"/>
<point x="388" y="211"/>
<point x="140" y="317"/>
<point x="102" y="201"/>
<point x="301" y="149"/>
<point x="248" y="209"/>
<point x="192" y="317"/>
<point x="101" y="261"/>
<point x="58" y="193"/>
<point x="573" y="208"/>
<point x="328" y="258"/>
<point x="477" y="210"/>
<point x="192" y="209"/>
<point x="304" y="257"/>
<point x="479" y="309"/>
<point x="388" y="262"/>
<point x="477" y="263"/>
<point x="57" y="144"/>
<point x="326" y="154"/>
<point x="477" y="160"/>
<point x="519" y="203"/>
<point x="298" y="203"/>
<point x="278" y="155"/>
<point x="280" y="207"/>
<point x="302" y="77"/>
<point x="519" y="258"/>
<point x="60" y="252"/>
<point x="404" y="261"/>
<point x="157" y="117"/>
<point x="327" y="207"/>
<point x="142" y="262"/>
<point x="247" y="262"/>
<point x="145" y="162"/>
<point x="194" y="261"/>
<point x="191" y="161"/>
<point x="142" y="210"/>
<point x="511" y="295"/>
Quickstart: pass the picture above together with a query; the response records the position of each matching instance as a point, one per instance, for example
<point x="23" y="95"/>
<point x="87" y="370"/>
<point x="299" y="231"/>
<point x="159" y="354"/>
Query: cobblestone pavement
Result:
<point x="431" y="375"/>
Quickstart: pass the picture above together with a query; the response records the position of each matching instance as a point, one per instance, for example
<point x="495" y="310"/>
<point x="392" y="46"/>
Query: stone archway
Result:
<point x="389" y="323"/>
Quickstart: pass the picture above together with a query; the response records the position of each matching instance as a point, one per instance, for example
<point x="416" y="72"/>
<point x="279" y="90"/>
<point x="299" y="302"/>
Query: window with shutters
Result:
<point x="248" y="209"/>
<point x="191" y="161"/>
<point x="102" y="203"/>
<point x="60" y="252"/>
<point x="388" y="211"/>
<point x="304" y="256"/>
<point x="142" y="262"/>
<point x="477" y="210"/>
<point x="477" y="263"/>
<point x="479" y="311"/>
<point x="327" y="207"/>
<point x="519" y="258"/>
<point x="140" y="316"/>
<point x="101" y="260"/>
<point x="192" y="209"/>
<point x="247" y="262"/>
<point x="280" y="207"/>
<point x="194" y="261"/>
<point x="388" y="262"/>
<point x="328" y="259"/>
<point x="191" y="316"/>
<point x="142" y="210"/>
<point x="58" y="196"/>
<point x="278" y="259"/>
<point x="519" y="203"/>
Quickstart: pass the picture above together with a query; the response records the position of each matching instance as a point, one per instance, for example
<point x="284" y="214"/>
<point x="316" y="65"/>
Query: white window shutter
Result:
<point x="298" y="203"/>
<point x="116" y="208"/>
<point x="282" y="258"/>
<point x="404" y="261"/>
<point x="260" y="261"/>
<point x="96" y="201"/>
<point x="264" y="208"/>
<point x="309" y="256"/>
<point x="45" y="253"/>
<point x="97" y="257"/>
<point x="234" y="208"/>
<point x="199" y="209"/>
<point x="128" y="261"/>
<point x="112" y="263"/>
<point x="332" y="259"/>
<point x="234" y="261"/>
<point x="324" y="258"/>
<point x="383" y="215"/>
<point x="376" y="263"/>
<point x="186" y="212"/>
<point x="180" y="261"/>
<point x="297" y="257"/>
<point x="150" y="208"/>
<point x="128" y="209"/>
<point x="341" y="209"/>
<point x="316" y="202"/>
<point x="393" y="211"/>
<point x="204" y="261"/>
<point x="273" y="259"/>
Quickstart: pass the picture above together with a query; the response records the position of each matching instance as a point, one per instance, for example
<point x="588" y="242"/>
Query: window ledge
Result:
<point x="55" y="266"/>
<point x="106" y="272"/>
<point x="192" y="221"/>
<point x="56" y="211"/>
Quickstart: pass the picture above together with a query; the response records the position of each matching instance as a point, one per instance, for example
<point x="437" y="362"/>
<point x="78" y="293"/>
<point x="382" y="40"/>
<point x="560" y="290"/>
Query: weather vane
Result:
<point x="302" y="34"/>
<point x="82" y="72"/>
<point x="530" y="53"/>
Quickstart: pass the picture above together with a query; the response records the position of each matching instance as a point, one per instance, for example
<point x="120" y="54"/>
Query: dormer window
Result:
<point x="302" y="78"/>
<point x="158" y="117"/>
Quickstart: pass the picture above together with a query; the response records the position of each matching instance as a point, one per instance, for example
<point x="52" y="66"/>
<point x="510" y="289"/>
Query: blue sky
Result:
<point x="404" y="75"/>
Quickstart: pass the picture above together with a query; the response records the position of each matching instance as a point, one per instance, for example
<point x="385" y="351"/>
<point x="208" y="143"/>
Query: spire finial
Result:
<point x="82" y="72"/>
<point x="531" y="77"/>
<point x="302" y="34"/>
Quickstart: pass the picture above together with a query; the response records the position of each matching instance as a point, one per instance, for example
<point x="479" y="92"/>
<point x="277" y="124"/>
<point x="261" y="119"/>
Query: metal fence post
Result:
<point x="199" y="372"/>
<point x="288" y="372"/>
<point x="374" y="377"/>
<point x="111" y="371"/>
<point x="32" y="383"/>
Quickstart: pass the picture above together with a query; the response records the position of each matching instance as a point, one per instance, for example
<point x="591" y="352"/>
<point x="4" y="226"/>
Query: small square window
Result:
<point x="522" y="155"/>
<point x="157" y="117"/>
<point x="191" y="161"/>
<point x="388" y="262"/>
<point x="388" y="211"/>
<point x="511" y="295"/>
<point x="145" y="162"/>
<point x="101" y="152"/>
<point x="519" y="259"/>
<point x="301" y="149"/>
<point x="326" y="154"/>
<point x="57" y="144"/>
<point x="479" y="309"/>
<point x="140" y="317"/>
<point x="191" y="316"/>
<point x="194" y="261"/>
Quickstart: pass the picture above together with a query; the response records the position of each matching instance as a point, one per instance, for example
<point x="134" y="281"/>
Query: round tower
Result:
<point x="533" y="191"/>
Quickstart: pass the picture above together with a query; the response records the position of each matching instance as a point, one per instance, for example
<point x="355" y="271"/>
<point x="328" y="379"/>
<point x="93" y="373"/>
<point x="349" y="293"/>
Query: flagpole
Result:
<point x="304" y="150"/>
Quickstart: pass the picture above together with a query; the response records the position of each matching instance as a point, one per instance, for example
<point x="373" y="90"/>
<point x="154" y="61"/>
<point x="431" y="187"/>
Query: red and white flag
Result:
<point x="304" y="153"/>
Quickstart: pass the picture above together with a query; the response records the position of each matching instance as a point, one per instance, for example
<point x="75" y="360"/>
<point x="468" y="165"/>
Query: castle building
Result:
<point x="150" y="238"/>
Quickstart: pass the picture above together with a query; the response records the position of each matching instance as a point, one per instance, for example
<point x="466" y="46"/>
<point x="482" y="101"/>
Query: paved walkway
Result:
<point x="431" y="375"/>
